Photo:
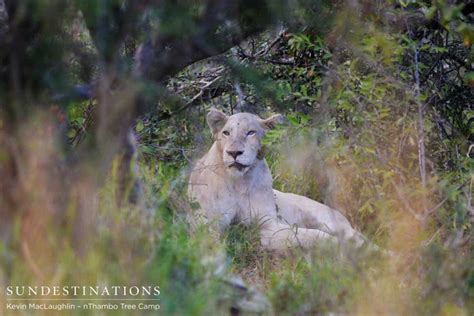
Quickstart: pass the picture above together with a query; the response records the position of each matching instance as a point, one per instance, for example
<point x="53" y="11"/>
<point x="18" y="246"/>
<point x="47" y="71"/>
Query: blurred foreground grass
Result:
<point x="352" y="142"/>
<point x="152" y="244"/>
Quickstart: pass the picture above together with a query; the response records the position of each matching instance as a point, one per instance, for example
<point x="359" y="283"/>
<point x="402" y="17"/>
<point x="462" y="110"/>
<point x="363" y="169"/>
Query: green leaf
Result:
<point x="139" y="127"/>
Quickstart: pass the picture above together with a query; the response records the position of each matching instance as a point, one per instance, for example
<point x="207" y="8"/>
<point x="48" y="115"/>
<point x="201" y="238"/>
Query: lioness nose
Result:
<point x="234" y="154"/>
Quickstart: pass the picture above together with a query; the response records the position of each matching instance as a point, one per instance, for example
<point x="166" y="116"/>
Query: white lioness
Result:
<point x="232" y="182"/>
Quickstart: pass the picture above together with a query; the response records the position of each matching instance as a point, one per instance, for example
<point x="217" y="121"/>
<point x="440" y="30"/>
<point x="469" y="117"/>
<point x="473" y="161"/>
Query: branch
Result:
<point x="210" y="90"/>
<point x="217" y="31"/>
<point x="203" y="95"/>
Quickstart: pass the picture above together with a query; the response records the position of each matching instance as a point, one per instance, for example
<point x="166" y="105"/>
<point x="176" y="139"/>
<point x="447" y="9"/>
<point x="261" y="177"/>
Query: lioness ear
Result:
<point x="272" y="121"/>
<point x="216" y="120"/>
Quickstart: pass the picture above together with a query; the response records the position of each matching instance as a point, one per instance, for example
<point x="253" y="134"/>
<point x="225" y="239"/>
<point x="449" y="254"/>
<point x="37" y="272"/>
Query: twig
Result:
<point x="421" y="125"/>
<point x="432" y="238"/>
<point x="273" y="43"/>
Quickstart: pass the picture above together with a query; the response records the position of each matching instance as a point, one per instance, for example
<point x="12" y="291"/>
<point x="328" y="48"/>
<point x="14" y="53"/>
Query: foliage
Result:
<point x="364" y="86"/>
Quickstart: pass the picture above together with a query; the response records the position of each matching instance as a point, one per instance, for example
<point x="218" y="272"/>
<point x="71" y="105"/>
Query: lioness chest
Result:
<point x="228" y="199"/>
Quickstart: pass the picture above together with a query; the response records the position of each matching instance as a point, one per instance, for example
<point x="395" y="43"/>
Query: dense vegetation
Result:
<point x="378" y="97"/>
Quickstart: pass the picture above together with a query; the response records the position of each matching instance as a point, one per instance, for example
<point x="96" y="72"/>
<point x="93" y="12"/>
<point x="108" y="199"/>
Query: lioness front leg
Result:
<point x="277" y="236"/>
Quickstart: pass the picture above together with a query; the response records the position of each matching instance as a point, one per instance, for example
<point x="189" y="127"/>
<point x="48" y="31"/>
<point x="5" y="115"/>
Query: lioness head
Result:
<point x="239" y="138"/>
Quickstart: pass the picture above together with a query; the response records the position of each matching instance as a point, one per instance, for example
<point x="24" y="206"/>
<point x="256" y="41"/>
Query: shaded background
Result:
<point x="102" y="111"/>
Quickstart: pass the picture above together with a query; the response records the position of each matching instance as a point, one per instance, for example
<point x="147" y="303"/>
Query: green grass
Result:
<point x="153" y="244"/>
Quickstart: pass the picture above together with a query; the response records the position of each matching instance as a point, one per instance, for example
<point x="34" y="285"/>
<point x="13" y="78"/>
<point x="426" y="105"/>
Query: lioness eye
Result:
<point x="251" y="133"/>
<point x="226" y="133"/>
